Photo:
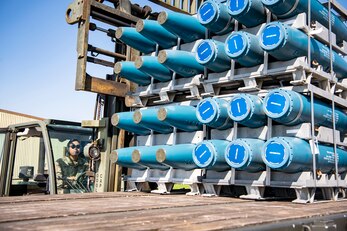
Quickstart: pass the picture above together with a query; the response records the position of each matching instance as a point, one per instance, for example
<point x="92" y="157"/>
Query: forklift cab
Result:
<point x="29" y="151"/>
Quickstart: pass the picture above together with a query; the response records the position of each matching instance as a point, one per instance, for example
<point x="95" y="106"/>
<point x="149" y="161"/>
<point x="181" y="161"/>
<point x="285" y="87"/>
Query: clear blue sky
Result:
<point x="38" y="61"/>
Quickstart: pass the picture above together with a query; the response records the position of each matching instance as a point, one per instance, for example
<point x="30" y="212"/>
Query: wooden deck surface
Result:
<point x="141" y="211"/>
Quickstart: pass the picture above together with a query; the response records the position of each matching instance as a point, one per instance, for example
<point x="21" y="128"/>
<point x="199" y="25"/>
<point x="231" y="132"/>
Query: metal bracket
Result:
<point x="209" y="90"/>
<point x="93" y="123"/>
<point x="251" y="84"/>
<point x="194" y="92"/>
<point x="195" y="189"/>
<point x="304" y="195"/>
<point x="165" y="97"/>
<point x="254" y="193"/>
<point x="299" y="77"/>
<point x="135" y="101"/>
<point x="211" y="189"/>
<point x="138" y="186"/>
<point x="76" y="11"/>
<point x="330" y="193"/>
<point x="163" y="188"/>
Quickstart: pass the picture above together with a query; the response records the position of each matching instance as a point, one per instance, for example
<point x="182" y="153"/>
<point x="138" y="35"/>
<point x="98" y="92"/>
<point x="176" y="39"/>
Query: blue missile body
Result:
<point x="214" y="16"/>
<point x="290" y="8"/>
<point x="244" y="48"/>
<point x="181" y="62"/>
<point x="209" y="154"/>
<point x="134" y="39"/>
<point x="148" y="119"/>
<point x="146" y="156"/>
<point x="124" y="120"/>
<point x="155" y="32"/>
<point x="127" y="70"/>
<point x="284" y="43"/>
<point x="245" y="154"/>
<point x="184" y="26"/>
<point x="177" y="156"/>
<point x="182" y="117"/>
<point x="211" y="53"/>
<point x="292" y="155"/>
<point x="249" y="12"/>
<point x="151" y="66"/>
<point x="214" y="113"/>
<point x="247" y="110"/>
<point x="124" y="158"/>
<point x="291" y="108"/>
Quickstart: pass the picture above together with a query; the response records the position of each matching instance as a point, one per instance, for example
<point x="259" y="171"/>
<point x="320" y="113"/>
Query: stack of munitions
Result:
<point x="240" y="95"/>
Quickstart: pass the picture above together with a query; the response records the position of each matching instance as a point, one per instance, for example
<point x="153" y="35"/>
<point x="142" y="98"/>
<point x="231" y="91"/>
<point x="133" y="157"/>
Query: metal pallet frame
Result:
<point x="303" y="78"/>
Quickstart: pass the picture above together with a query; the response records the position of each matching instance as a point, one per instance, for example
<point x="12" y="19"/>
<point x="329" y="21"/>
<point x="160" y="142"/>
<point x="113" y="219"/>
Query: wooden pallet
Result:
<point x="140" y="211"/>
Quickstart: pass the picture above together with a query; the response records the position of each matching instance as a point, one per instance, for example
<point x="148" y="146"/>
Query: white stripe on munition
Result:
<point x="274" y="103"/>
<point x="207" y="12"/>
<point x="235" y="44"/>
<point x="237" y="152"/>
<point x="275" y="153"/>
<point x="206" y="110"/>
<point x="202" y="154"/>
<point x="204" y="51"/>
<point x="238" y="107"/>
<point x="271" y="35"/>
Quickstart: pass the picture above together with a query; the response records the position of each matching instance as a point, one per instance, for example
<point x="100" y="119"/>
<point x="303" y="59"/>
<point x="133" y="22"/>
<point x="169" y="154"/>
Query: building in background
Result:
<point x="10" y="117"/>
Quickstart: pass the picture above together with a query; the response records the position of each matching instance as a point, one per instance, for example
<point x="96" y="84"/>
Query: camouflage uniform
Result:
<point x="66" y="168"/>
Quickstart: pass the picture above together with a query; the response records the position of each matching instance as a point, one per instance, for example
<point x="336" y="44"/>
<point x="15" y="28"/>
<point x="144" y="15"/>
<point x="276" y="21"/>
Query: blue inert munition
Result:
<point x="211" y="54"/>
<point x="177" y="156"/>
<point x="289" y="8"/>
<point x="131" y="37"/>
<point x="247" y="110"/>
<point x="184" y="26"/>
<point x="214" y="113"/>
<point x="155" y="32"/>
<point x="124" y="120"/>
<point x="249" y="12"/>
<point x="147" y="118"/>
<point x="123" y="157"/>
<point x="291" y="108"/>
<point x="181" y="62"/>
<point x="244" y="48"/>
<point x="245" y="154"/>
<point x="127" y="70"/>
<point x="289" y="154"/>
<point x="146" y="156"/>
<point x="182" y="117"/>
<point x="284" y="43"/>
<point x="151" y="66"/>
<point x="214" y="16"/>
<point x="209" y="154"/>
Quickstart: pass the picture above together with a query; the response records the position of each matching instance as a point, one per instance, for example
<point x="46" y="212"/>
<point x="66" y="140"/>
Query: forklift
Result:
<point x="29" y="151"/>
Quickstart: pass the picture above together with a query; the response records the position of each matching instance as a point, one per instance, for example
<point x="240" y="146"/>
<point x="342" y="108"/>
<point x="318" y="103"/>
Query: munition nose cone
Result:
<point x="162" y="56"/>
<point x="138" y="62"/>
<point x="140" y="25"/>
<point x="137" y="117"/>
<point x="114" y="156"/>
<point x="119" y="33"/>
<point x="117" y="67"/>
<point x="162" y="17"/>
<point x="160" y="155"/>
<point x="115" y="119"/>
<point x="136" y="156"/>
<point x="162" y="113"/>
